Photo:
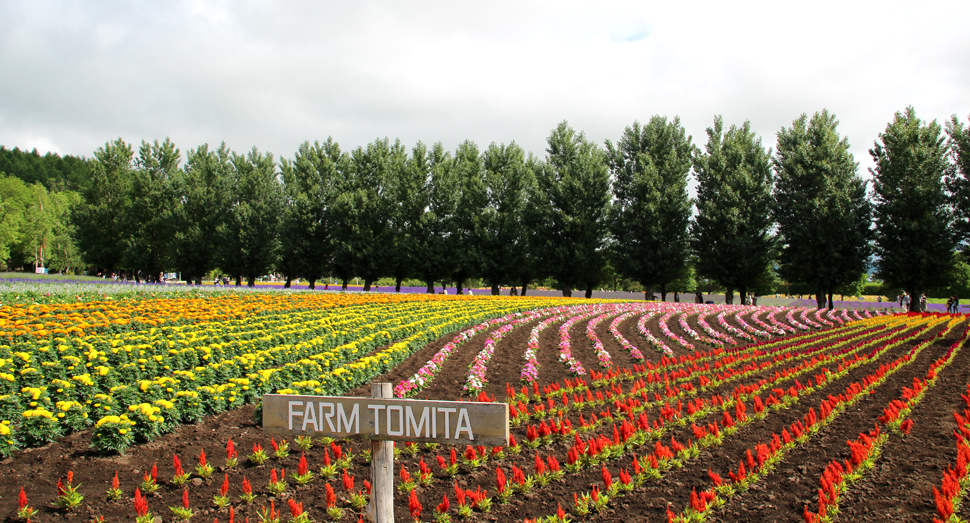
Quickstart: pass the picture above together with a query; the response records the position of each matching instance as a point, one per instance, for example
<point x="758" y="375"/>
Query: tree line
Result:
<point x="801" y="213"/>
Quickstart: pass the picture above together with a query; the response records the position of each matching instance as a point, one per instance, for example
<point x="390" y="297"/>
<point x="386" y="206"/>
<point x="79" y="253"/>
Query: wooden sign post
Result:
<point x="384" y="420"/>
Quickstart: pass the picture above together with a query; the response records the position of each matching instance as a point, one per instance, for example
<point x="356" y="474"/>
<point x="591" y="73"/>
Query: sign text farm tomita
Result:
<point x="456" y="422"/>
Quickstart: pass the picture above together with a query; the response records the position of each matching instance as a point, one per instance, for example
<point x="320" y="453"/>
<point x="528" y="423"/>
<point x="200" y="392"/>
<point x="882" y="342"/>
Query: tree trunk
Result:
<point x="648" y="292"/>
<point x="567" y="293"/>
<point x="250" y="281"/>
<point x="525" y="287"/>
<point x="430" y="289"/>
<point x="460" y="286"/>
<point x="698" y="297"/>
<point x="238" y="280"/>
<point x="663" y="292"/>
<point x="831" y="303"/>
<point x="495" y="289"/>
<point x="397" y="285"/>
<point x="729" y="297"/>
<point x="343" y="286"/>
<point x="743" y="292"/>
<point x="589" y="290"/>
<point x="289" y="280"/>
<point x="366" y="285"/>
<point x="312" y="283"/>
<point x="820" y="300"/>
<point x="676" y="297"/>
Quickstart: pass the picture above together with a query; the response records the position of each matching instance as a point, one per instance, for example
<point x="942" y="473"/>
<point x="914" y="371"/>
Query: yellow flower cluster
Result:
<point x="165" y="360"/>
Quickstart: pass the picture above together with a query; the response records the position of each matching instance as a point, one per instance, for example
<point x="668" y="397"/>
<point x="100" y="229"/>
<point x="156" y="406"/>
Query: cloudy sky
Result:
<point x="272" y="74"/>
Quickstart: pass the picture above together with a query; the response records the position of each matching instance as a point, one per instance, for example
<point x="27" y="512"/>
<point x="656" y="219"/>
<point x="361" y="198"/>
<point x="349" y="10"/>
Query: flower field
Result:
<point x="135" y="408"/>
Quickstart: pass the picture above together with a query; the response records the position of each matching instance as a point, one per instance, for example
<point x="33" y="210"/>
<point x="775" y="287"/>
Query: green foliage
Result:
<point x="573" y="198"/>
<point x="310" y="183"/>
<point x="202" y="192"/>
<point x="732" y="229"/>
<point x="651" y="209"/>
<point x="433" y="253"/>
<point x="958" y="178"/>
<point x="250" y="235"/>
<point x="54" y="172"/>
<point x="914" y="236"/>
<point x="503" y="239"/>
<point x="151" y="208"/>
<point x="100" y="222"/>
<point x="820" y="206"/>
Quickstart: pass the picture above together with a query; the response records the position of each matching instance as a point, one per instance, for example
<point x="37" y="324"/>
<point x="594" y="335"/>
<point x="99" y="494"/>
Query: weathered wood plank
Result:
<point x="455" y="422"/>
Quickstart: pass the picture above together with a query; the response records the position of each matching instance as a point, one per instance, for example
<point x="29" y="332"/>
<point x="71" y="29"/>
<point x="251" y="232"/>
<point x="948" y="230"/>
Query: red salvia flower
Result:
<point x="414" y="506"/>
<point x="453" y="458"/>
<point x="70" y="475"/>
<point x="459" y="495"/>
<point x="607" y="478"/>
<point x="225" y="486"/>
<point x="423" y="467"/>
<point x="470" y="454"/>
<point x="367" y="486"/>
<point x="247" y="488"/>
<point x="512" y="442"/>
<point x="274" y="444"/>
<point x="230" y="449"/>
<point x="60" y="486"/>
<point x="257" y="448"/>
<point x="22" y="498"/>
<point x="405" y="475"/>
<point x="500" y="480"/>
<point x="114" y="481"/>
<point x="441" y="462"/>
<point x="296" y="509"/>
<point x="444" y="506"/>
<point x="331" y="496"/>
<point x="273" y="478"/>
<point x="326" y="458"/>
<point x="177" y="463"/>
<point x="185" y="498"/>
<point x="302" y="467"/>
<point x="906" y="426"/>
<point x="202" y="461"/>
<point x="337" y="451"/>
<point x="232" y="515"/>
<point x="348" y="481"/>
<point x="141" y="506"/>
<point x="540" y="465"/>
<point x="553" y="463"/>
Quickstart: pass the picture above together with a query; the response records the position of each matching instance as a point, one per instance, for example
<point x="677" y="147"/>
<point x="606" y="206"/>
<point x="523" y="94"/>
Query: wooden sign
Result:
<point x="456" y="422"/>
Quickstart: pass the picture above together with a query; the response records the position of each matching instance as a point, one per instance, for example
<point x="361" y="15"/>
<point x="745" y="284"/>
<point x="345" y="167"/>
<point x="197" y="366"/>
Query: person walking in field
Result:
<point x="949" y="305"/>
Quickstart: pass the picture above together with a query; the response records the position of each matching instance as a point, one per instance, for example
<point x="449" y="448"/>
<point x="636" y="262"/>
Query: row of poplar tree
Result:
<point x="501" y="216"/>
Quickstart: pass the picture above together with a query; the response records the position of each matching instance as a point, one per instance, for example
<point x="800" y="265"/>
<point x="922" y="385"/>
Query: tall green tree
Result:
<point x="101" y="221"/>
<point x="732" y="228"/>
<point x="502" y="244"/>
<point x="958" y="179"/>
<point x="151" y="210"/>
<point x="362" y="211"/>
<point x="574" y="184"/>
<point x="434" y="257"/>
<point x="15" y="198"/>
<point x="250" y="235"/>
<point x="408" y="200"/>
<point x="465" y="228"/>
<point x="203" y="192"/>
<point x="63" y="254"/>
<point x="915" y="240"/>
<point x="651" y="209"/>
<point x="820" y="205"/>
<point x="311" y="182"/>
